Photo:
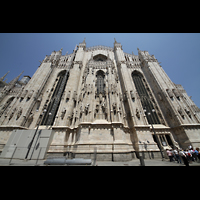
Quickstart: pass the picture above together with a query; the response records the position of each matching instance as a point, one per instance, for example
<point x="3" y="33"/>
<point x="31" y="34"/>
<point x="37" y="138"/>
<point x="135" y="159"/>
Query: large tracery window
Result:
<point x="144" y="97"/>
<point x="54" y="103"/>
<point x="100" y="82"/>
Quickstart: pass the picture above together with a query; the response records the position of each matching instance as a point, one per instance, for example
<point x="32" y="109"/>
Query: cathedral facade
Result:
<point x="98" y="98"/>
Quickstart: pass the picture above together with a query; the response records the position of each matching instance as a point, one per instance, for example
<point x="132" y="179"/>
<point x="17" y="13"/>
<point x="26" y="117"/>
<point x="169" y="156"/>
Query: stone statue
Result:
<point x="19" y="113"/>
<point x="180" y="110"/>
<point x="87" y="108"/>
<point x="132" y="95"/>
<point x="103" y="106"/>
<point x="12" y="113"/>
<point x="63" y="113"/>
<point x="137" y="113"/>
<point x="114" y="105"/>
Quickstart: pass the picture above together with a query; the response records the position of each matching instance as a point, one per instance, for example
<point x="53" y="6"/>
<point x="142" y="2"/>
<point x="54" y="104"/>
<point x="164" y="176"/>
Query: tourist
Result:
<point x="194" y="157"/>
<point x="170" y="155"/>
<point x="178" y="159"/>
<point x="197" y="153"/>
<point x="188" y="155"/>
<point x="184" y="157"/>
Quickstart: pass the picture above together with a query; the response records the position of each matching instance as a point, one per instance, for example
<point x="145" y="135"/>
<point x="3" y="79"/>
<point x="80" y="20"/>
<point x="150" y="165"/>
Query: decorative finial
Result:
<point x="75" y="47"/>
<point x="115" y="40"/>
<point x="2" y="78"/>
<point x="84" y="40"/>
<point x="137" y="48"/>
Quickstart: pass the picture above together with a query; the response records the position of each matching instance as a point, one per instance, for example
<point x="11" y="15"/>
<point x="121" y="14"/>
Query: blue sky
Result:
<point x="179" y="53"/>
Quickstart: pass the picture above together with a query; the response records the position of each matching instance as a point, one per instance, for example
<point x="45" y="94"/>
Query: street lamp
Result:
<point x="157" y="141"/>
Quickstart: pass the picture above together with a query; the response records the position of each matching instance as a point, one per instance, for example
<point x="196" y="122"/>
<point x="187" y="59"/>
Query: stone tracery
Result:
<point x="101" y="105"/>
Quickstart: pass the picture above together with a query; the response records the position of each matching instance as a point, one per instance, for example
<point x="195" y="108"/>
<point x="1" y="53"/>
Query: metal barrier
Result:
<point x="17" y="155"/>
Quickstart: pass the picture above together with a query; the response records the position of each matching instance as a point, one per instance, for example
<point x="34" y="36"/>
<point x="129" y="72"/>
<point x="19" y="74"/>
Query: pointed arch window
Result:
<point x="100" y="82"/>
<point x="54" y="103"/>
<point x="144" y="97"/>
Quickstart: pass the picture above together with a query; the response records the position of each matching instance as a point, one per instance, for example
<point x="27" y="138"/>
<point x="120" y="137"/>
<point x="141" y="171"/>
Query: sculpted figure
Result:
<point x="87" y="108"/>
<point x="114" y="105"/>
<point x="12" y="113"/>
<point x="19" y="113"/>
<point x="63" y="113"/>
<point x="137" y="113"/>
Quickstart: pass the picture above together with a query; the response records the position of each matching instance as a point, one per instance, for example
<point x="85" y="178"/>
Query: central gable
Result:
<point x="100" y="57"/>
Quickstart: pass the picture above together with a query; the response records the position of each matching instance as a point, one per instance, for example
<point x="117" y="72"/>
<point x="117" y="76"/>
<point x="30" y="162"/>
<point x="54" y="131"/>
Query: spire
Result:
<point x="83" y="44"/>
<point x="15" y="79"/>
<point x="75" y="47"/>
<point x="139" y="51"/>
<point x="116" y="41"/>
<point x="2" y="78"/>
<point x="117" y="45"/>
<point x="61" y="50"/>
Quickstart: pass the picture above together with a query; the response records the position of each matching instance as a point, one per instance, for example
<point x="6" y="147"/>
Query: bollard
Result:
<point x="141" y="161"/>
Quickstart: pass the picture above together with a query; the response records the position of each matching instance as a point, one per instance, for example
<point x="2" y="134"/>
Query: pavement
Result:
<point x="148" y="162"/>
<point x="134" y="162"/>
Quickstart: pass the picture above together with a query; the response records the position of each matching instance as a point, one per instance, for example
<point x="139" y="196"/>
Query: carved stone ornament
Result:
<point x="87" y="108"/>
<point x="74" y="96"/>
<point x="170" y="93"/>
<point x="137" y="113"/>
<point x="114" y="105"/>
<point x="19" y="113"/>
<point x="63" y="113"/>
<point x="180" y="110"/>
<point x="132" y="95"/>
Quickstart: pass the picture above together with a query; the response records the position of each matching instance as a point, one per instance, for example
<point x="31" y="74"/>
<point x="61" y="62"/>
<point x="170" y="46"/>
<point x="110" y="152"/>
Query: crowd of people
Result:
<point x="186" y="156"/>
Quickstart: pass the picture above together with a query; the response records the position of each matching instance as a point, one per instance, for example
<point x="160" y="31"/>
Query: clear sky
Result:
<point x="179" y="53"/>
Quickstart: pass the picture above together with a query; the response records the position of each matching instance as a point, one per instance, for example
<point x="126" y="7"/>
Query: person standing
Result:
<point x="188" y="155"/>
<point x="193" y="155"/>
<point x="177" y="156"/>
<point x="197" y="153"/>
<point x="184" y="157"/>
<point x="170" y="155"/>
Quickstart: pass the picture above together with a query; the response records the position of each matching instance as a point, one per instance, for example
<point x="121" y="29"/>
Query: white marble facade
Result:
<point x="97" y="97"/>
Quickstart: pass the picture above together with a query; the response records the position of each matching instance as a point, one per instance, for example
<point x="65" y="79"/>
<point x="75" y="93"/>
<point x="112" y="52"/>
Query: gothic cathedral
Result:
<point x="96" y="98"/>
